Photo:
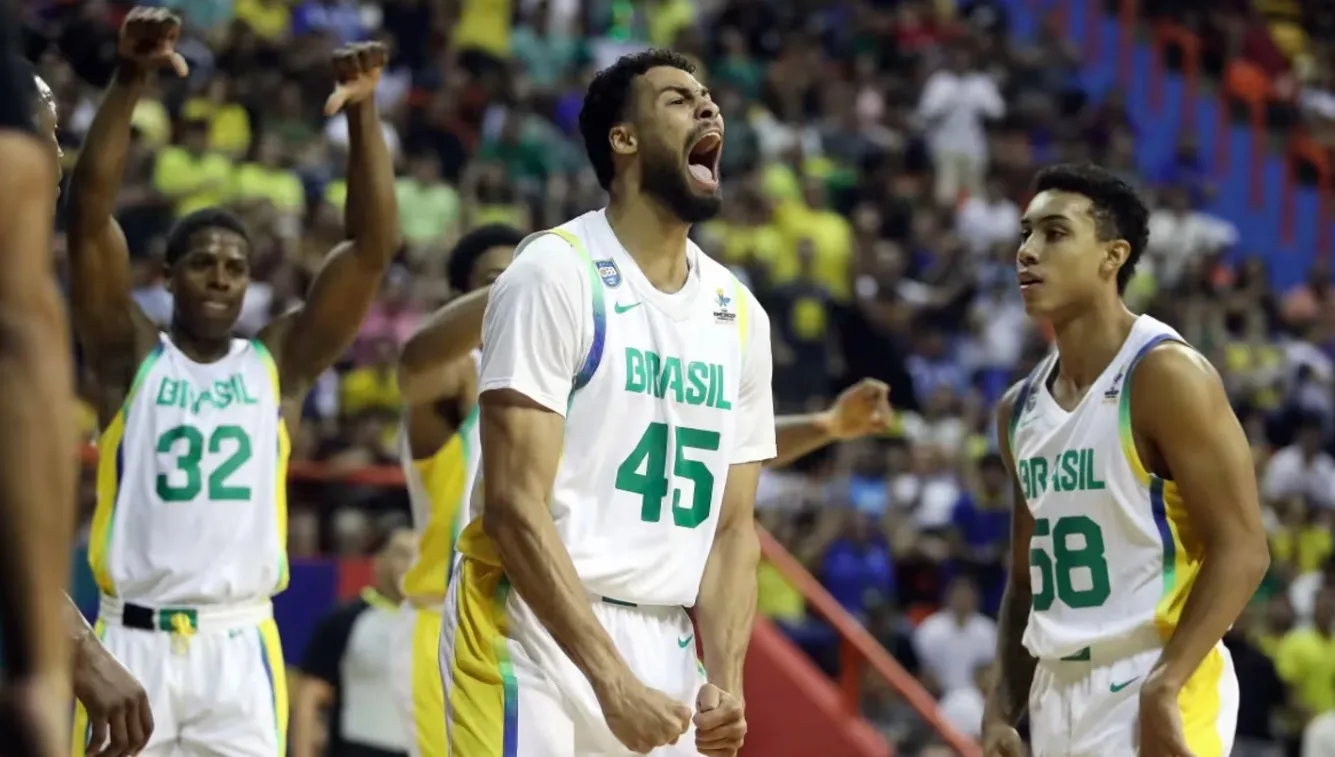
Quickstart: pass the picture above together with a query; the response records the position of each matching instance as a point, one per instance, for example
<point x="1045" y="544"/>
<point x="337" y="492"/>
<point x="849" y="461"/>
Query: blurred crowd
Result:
<point x="876" y="164"/>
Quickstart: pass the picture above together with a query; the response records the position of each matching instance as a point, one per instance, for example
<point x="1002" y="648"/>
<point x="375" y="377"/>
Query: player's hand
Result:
<point x="148" y="40"/>
<point x="34" y="713"/>
<point x="1161" y="733"/>
<point x="119" y="719"/>
<point x="861" y="409"/>
<point x="642" y="718"/>
<point x="1002" y="740"/>
<point x="720" y="722"/>
<point x="357" y="69"/>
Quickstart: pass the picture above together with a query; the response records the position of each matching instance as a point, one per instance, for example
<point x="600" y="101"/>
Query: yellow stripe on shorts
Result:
<point x="1200" y="705"/>
<point x="428" y="694"/>
<point x="484" y="698"/>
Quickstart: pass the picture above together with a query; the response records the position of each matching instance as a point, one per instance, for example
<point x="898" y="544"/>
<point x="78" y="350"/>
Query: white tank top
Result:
<point x="191" y="482"/>
<point x="651" y="423"/>
<point x="1112" y="556"/>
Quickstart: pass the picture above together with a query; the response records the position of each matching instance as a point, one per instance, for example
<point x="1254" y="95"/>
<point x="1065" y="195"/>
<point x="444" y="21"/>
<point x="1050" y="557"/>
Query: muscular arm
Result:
<point x="38" y="448"/>
<point x="521" y="447"/>
<point x="1007" y="700"/>
<point x="308" y="340"/>
<point x="535" y="337"/>
<point x="1181" y="411"/>
<point x="113" y="332"/>
<point x="727" y="604"/>
<point x="798" y="436"/>
<point x="443" y="342"/>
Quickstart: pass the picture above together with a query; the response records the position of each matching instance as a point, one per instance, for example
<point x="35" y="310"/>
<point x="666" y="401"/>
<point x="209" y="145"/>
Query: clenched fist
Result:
<point x="148" y="40"/>
<point x="357" y="70"/>
<point x="643" y="718"/>
<point x="720" y="722"/>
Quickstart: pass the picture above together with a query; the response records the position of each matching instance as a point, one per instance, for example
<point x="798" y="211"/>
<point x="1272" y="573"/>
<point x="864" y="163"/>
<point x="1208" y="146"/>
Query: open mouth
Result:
<point x="217" y="307"/>
<point x="703" y="158"/>
<point x="1029" y="280"/>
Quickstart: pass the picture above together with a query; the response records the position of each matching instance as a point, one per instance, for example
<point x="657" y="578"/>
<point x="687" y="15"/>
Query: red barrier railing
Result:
<point x="858" y="650"/>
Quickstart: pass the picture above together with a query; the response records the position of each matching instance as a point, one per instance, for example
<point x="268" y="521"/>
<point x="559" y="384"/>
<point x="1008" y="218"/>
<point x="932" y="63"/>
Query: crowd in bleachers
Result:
<point x="877" y="156"/>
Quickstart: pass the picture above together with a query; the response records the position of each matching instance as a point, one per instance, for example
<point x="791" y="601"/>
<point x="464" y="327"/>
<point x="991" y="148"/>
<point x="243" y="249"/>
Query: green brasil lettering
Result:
<point x="686" y="381"/>
<point x="1071" y="470"/>
<point x="219" y="395"/>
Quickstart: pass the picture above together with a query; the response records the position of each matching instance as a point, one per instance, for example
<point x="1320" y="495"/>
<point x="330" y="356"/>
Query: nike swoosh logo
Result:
<point x="619" y="308"/>
<point x="686" y="642"/>
<point x="1116" y="687"/>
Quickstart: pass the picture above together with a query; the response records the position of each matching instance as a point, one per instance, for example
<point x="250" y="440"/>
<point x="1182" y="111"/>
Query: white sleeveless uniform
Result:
<point x="438" y="492"/>
<point x="1112" y="560"/>
<point x="189" y="542"/>
<point x="661" y="393"/>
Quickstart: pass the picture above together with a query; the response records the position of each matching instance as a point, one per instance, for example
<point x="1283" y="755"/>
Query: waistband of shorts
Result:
<point x="179" y="618"/>
<point x="1101" y="653"/>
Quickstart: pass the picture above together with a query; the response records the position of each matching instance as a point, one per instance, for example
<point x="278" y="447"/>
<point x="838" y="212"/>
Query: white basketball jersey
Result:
<point x="191" y="482"/>
<point x="666" y="397"/>
<point x="1112" y="556"/>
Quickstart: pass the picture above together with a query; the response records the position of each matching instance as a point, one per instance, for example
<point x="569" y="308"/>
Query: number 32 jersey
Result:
<point x="661" y="393"/>
<point x="191" y="498"/>
<point x="1113" y="555"/>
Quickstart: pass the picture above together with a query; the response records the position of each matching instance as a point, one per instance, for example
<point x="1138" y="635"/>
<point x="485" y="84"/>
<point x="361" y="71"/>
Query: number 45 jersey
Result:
<point x="661" y="393"/>
<point x="191" y="498"/>
<point x="1113" y="555"/>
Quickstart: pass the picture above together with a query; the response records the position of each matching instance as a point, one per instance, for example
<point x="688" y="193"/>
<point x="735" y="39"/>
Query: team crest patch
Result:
<point x="723" y="314"/>
<point x="608" y="272"/>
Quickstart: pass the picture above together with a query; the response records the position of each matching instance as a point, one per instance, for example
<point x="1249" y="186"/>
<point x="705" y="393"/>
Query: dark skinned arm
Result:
<point x="37" y="451"/>
<point x="114" y="333"/>
<point x="308" y="340"/>
<point x="727" y="604"/>
<point x="799" y="435"/>
<point x="1009" y="697"/>
<point x="440" y="347"/>
<point x="1181" y="411"/>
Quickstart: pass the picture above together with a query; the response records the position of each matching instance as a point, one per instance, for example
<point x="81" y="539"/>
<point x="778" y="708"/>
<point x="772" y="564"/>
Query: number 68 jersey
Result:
<point x="191" y="482"/>
<point x="1113" y="555"/>
<point x="661" y="393"/>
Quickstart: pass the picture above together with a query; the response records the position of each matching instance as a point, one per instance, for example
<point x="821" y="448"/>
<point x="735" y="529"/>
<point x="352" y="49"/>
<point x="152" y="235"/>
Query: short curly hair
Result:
<point x="608" y="101"/>
<point x="1118" y="211"/>
<point x="473" y="245"/>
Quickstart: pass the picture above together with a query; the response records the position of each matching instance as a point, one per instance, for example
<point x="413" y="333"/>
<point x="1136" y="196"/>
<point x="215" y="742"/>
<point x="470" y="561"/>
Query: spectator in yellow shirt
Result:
<point x="191" y="176"/>
<point x="271" y="20"/>
<point x="268" y="178"/>
<point x="372" y="387"/>
<point x="831" y="236"/>
<point x="1305" y="659"/>
<point x="229" y="123"/>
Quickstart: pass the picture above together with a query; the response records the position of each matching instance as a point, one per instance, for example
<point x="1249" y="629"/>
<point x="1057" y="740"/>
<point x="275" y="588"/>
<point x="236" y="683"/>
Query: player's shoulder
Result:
<point x="1009" y="399"/>
<point x="549" y="258"/>
<point x="1173" y="366"/>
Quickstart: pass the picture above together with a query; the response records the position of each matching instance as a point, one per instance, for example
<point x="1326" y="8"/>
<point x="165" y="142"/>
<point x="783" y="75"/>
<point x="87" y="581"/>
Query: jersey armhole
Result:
<point x="1126" y="434"/>
<point x="141" y="373"/>
<point x="594" y="357"/>
<point x="1022" y="399"/>
<point x="743" y="313"/>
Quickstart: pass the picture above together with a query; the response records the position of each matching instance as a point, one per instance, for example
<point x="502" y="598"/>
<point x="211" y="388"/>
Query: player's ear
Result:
<point x="623" y="139"/>
<point x="1115" y="254"/>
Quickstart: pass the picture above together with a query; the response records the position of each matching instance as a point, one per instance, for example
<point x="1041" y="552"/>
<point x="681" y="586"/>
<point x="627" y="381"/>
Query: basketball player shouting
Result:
<point x="625" y="412"/>
<point x="1136" y="534"/>
<point x="189" y="536"/>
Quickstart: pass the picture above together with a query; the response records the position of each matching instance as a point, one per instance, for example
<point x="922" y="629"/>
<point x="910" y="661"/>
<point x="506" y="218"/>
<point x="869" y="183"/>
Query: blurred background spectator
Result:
<point x="878" y="153"/>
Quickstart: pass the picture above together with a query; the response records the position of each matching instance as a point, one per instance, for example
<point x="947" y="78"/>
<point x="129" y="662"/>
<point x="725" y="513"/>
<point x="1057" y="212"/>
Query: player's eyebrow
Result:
<point x="684" y="91"/>
<point x="1046" y="218"/>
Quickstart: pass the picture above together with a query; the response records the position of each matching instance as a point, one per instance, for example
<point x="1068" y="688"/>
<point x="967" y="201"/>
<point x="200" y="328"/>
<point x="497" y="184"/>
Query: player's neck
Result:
<point x="198" y="349"/>
<point x="654" y="236"/>
<point x="1088" y="341"/>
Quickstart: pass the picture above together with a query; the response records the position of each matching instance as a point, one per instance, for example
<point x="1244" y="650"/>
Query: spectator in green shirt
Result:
<point x="428" y="207"/>
<point x="190" y="176"/>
